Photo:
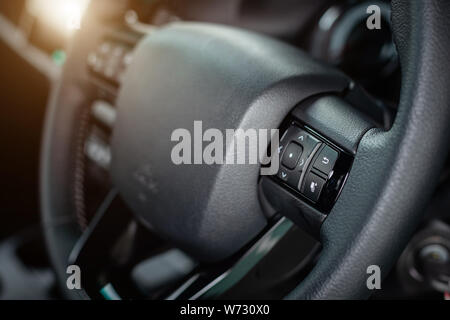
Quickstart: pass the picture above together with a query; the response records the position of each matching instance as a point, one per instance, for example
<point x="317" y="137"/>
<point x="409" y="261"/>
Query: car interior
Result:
<point x="92" y="91"/>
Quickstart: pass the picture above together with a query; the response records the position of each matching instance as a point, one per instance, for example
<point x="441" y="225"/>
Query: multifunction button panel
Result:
<point x="312" y="167"/>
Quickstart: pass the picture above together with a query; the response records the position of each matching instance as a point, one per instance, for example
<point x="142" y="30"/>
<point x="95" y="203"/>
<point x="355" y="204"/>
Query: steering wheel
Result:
<point x="230" y="78"/>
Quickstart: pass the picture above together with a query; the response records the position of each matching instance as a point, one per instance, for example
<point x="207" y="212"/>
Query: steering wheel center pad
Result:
<point x="228" y="79"/>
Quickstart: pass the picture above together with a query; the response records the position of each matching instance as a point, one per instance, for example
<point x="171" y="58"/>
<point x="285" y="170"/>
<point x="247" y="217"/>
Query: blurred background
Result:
<point x="35" y="38"/>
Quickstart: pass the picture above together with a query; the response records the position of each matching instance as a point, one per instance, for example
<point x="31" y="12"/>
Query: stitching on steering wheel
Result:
<point x="79" y="172"/>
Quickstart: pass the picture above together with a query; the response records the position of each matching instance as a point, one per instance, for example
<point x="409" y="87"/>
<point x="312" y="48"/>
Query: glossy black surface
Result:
<point x="314" y="180"/>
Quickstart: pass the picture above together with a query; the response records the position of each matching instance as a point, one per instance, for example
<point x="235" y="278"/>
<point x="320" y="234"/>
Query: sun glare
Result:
<point x="65" y="15"/>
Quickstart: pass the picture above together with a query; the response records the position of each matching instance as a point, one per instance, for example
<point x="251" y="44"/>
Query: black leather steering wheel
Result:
<point x="230" y="78"/>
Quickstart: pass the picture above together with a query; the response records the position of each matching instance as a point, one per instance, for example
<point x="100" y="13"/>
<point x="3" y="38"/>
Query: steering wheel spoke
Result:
<point x="232" y="276"/>
<point x="307" y="190"/>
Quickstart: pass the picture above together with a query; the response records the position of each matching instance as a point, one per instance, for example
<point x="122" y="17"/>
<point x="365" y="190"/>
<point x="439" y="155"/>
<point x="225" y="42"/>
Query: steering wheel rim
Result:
<point x="378" y="208"/>
<point x="394" y="213"/>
